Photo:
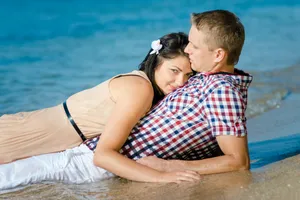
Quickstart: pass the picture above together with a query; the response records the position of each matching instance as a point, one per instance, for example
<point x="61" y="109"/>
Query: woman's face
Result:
<point x="172" y="73"/>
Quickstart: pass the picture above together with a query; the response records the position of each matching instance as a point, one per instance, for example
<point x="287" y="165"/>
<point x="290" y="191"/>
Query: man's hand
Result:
<point x="235" y="158"/>
<point x="155" y="163"/>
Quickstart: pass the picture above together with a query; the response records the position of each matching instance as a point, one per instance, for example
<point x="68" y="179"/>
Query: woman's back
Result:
<point x="48" y="130"/>
<point x="91" y="108"/>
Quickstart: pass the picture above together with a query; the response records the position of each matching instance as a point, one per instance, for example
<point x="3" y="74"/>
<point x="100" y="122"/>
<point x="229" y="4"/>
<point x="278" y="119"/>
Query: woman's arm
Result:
<point x="133" y="96"/>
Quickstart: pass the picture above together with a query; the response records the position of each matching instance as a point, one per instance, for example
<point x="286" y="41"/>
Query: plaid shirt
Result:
<point x="184" y="125"/>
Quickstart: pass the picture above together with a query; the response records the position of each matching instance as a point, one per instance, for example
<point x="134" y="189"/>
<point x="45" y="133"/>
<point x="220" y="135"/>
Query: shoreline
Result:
<point x="272" y="179"/>
<point x="276" y="180"/>
<point x="279" y="122"/>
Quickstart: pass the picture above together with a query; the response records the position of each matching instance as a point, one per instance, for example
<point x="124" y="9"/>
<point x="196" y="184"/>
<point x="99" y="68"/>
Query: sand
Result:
<point x="279" y="180"/>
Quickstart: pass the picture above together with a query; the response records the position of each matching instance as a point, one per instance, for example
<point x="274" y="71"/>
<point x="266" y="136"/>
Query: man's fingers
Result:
<point x="181" y="179"/>
<point x="192" y="172"/>
<point x="190" y="176"/>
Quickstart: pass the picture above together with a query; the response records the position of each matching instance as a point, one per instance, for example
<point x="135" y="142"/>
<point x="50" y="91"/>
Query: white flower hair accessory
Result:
<point x="156" y="46"/>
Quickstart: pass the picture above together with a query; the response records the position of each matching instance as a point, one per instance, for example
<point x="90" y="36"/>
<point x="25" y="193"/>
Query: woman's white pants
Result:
<point x="71" y="166"/>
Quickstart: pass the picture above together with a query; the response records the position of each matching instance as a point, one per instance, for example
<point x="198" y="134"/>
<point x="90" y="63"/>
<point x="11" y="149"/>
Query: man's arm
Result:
<point x="224" y="111"/>
<point x="235" y="158"/>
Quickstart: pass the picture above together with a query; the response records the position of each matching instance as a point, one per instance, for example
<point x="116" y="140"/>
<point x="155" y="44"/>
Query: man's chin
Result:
<point x="195" y="68"/>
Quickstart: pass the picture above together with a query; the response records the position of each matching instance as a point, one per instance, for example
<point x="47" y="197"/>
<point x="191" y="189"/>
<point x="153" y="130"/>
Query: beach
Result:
<point x="274" y="179"/>
<point x="50" y="50"/>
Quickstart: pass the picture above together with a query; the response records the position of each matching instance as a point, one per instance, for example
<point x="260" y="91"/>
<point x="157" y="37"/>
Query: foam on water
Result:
<point x="270" y="88"/>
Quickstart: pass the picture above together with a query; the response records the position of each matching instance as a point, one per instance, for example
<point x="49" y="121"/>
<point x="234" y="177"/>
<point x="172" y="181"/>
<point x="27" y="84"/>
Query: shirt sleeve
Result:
<point x="224" y="110"/>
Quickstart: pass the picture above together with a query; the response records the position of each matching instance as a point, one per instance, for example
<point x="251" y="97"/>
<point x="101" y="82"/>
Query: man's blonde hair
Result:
<point x="223" y="29"/>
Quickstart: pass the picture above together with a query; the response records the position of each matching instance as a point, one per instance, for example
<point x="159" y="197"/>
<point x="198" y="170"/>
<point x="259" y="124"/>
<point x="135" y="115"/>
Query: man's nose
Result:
<point x="186" y="49"/>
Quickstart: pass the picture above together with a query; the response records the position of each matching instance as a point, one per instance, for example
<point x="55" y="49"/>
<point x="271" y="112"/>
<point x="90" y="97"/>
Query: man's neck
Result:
<point x="223" y="68"/>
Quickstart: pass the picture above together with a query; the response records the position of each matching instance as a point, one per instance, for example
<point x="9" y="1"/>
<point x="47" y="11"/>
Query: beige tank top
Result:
<point x="91" y="108"/>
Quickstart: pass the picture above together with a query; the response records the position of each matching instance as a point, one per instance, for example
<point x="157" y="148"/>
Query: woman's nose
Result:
<point x="180" y="81"/>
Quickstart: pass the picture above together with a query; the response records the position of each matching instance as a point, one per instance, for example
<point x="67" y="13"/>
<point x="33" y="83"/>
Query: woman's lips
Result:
<point x="173" y="87"/>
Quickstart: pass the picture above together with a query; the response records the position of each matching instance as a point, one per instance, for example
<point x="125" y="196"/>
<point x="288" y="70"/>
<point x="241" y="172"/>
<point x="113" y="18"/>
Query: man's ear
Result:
<point x="220" y="54"/>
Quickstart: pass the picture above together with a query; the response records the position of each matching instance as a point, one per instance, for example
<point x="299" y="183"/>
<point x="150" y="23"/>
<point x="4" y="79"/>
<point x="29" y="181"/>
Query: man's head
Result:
<point x="216" y="40"/>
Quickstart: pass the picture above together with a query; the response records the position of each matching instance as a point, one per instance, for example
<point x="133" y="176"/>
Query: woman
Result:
<point x="110" y="109"/>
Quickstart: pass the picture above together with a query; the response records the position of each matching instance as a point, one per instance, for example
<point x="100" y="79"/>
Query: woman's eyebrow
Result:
<point x="177" y="67"/>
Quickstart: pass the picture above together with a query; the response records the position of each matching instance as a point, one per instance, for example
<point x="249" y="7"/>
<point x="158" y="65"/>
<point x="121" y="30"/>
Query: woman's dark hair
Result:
<point x="173" y="45"/>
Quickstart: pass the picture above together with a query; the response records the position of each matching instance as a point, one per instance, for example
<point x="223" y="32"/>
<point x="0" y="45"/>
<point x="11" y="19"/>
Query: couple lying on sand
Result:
<point x="180" y="115"/>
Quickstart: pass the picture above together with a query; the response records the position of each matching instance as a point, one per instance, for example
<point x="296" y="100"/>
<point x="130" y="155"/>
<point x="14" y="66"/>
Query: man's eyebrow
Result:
<point x="194" y="45"/>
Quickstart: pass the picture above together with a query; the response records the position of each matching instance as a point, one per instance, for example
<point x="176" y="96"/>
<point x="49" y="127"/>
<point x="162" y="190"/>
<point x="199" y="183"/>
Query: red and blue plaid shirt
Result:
<point x="184" y="125"/>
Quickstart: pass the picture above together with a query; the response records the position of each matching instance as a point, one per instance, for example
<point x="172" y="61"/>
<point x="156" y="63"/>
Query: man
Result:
<point x="214" y="101"/>
<point x="201" y="126"/>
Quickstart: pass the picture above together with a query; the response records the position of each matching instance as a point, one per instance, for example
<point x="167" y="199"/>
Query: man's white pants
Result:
<point x="71" y="166"/>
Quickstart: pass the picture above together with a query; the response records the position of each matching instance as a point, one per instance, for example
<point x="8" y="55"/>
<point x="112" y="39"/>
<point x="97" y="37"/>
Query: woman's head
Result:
<point x="167" y="65"/>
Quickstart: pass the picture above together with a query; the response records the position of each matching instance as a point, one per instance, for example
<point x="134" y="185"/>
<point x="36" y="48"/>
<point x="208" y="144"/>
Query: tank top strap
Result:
<point x="133" y="73"/>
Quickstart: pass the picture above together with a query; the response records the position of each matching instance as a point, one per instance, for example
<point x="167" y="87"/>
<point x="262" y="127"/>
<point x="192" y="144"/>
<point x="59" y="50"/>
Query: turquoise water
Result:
<point x="270" y="151"/>
<point x="51" y="49"/>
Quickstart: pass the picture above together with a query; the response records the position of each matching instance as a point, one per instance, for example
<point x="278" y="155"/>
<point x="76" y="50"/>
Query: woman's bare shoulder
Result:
<point x="137" y="86"/>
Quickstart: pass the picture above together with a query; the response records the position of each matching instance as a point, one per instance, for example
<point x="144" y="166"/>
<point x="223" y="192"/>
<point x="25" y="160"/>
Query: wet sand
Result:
<point x="279" y="180"/>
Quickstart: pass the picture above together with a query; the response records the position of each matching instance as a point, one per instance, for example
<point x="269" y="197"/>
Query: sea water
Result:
<point x="52" y="49"/>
